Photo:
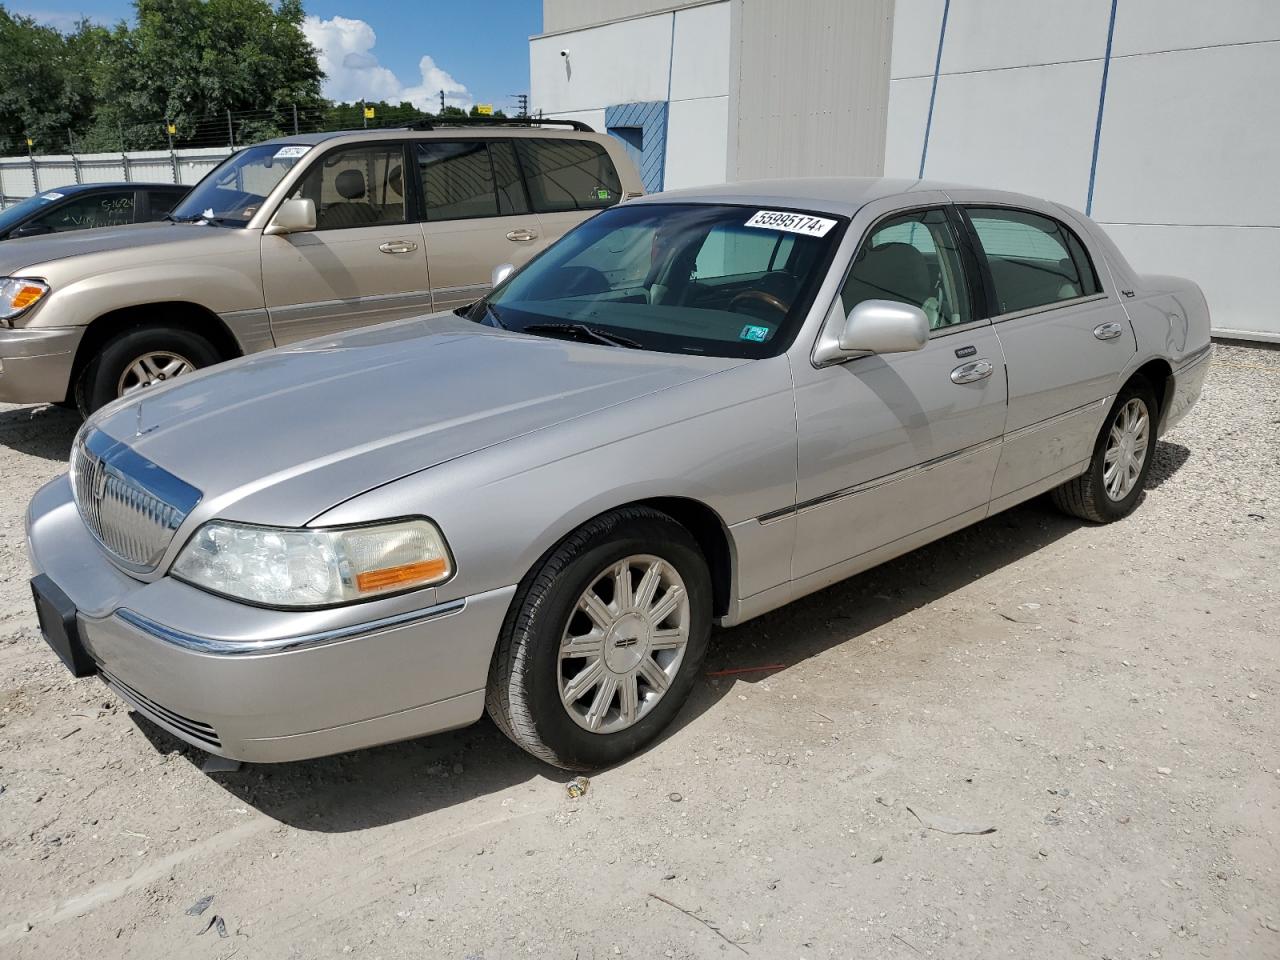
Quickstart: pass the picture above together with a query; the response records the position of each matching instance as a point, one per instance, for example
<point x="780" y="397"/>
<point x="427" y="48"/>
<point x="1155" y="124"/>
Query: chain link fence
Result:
<point x="157" y="151"/>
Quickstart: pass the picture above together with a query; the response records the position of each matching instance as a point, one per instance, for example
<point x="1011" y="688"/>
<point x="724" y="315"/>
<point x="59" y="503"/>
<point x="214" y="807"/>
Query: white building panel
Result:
<point x="991" y="34"/>
<point x="908" y="114"/>
<point x="1186" y="138"/>
<point x="697" y="142"/>
<point x="1028" y="129"/>
<point x="1146" y="26"/>
<point x="916" y="24"/>
<point x="1233" y="266"/>
<point x="700" y="67"/>
<point x="623" y="62"/>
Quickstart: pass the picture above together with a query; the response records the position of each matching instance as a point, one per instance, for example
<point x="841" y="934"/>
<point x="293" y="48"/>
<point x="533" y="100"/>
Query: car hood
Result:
<point x="280" y="437"/>
<point x="25" y="253"/>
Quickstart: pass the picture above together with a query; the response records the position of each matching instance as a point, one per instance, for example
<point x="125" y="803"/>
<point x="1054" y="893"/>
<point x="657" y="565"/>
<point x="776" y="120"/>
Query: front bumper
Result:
<point x="36" y="362"/>
<point x="286" y="687"/>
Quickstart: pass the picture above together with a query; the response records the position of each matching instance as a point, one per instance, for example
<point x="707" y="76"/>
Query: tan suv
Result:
<point x="294" y="238"/>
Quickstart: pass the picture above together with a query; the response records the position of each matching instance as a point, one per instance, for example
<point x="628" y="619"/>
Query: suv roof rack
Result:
<point x="499" y="122"/>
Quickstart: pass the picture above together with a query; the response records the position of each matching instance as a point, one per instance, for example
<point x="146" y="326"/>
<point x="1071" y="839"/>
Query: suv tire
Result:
<point x="111" y="367"/>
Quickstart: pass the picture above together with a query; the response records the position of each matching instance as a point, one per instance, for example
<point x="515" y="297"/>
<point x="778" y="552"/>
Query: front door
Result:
<point x="1065" y="337"/>
<point x="364" y="263"/>
<point x="893" y="445"/>
<point x="477" y="216"/>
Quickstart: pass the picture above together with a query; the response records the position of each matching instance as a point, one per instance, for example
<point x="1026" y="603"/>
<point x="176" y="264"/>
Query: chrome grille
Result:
<point x="131" y="505"/>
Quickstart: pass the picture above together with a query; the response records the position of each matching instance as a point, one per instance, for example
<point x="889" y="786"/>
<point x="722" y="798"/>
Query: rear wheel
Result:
<point x="1112" y="486"/>
<point x="604" y="641"/>
<point x="139" y="358"/>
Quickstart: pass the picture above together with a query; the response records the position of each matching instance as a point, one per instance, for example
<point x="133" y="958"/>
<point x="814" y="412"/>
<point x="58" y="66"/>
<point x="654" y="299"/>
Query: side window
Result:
<point x="160" y="202"/>
<point x="466" y="179"/>
<point x="83" y="213"/>
<point x="1035" y="261"/>
<point x="357" y="187"/>
<point x="732" y="252"/>
<point x="568" y="175"/>
<point x="913" y="258"/>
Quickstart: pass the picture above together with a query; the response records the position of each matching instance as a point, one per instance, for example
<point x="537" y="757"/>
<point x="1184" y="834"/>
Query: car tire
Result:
<point x="107" y="371"/>
<point x="1103" y="496"/>
<point x="532" y="695"/>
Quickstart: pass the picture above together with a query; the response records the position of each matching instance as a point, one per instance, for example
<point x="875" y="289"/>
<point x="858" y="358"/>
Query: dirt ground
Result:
<point x="1107" y="698"/>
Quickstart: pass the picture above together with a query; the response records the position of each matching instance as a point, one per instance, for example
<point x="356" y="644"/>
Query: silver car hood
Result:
<point x="279" y="437"/>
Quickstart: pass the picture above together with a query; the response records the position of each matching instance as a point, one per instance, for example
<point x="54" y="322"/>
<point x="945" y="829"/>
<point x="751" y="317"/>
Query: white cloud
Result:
<point x="352" y="71"/>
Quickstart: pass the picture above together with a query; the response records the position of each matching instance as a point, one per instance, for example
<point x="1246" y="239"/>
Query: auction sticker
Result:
<point x="290" y="152"/>
<point x="791" y="223"/>
<point x="51" y="196"/>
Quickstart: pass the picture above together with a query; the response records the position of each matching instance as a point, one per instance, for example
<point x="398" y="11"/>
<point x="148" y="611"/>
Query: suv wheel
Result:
<point x="604" y="641"/>
<point x="140" y="358"/>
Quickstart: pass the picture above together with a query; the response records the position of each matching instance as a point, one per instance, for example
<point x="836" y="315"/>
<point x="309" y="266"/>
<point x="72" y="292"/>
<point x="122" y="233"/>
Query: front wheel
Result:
<point x="604" y="641"/>
<point x="139" y="358"/>
<point x="1112" y="486"/>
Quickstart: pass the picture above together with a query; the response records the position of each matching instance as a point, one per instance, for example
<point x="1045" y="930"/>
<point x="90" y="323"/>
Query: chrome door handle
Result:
<point x="1108" y="331"/>
<point x="522" y="234"/>
<point x="972" y="371"/>
<point x="398" y="246"/>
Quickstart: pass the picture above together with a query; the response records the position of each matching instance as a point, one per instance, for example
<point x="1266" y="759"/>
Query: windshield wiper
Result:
<point x="218" y="221"/>
<point x="583" y="332"/>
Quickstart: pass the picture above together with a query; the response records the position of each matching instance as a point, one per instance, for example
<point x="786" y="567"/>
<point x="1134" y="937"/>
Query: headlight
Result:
<point x="283" y="567"/>
<point x="18" y="295"/>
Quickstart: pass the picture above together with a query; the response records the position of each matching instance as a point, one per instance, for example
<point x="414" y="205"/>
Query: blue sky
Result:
<point x="478" y="51"/>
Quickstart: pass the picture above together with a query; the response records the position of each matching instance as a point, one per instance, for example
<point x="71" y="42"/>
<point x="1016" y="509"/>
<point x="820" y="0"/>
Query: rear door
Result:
<point x="569" y="180"/>
<point x="364" y="262"/>
<point x="1066" y="339"/>
<point x="476" y="215"/>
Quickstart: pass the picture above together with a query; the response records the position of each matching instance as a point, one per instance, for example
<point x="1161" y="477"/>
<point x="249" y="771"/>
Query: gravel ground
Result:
<point x="1105" y="697"/>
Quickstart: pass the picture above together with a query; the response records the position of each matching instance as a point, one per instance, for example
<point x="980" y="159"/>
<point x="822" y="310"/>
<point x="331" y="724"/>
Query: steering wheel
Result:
<point x="768" y="299"/>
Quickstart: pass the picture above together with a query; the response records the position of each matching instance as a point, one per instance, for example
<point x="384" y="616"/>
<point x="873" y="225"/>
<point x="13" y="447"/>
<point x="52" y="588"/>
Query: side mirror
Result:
<point x="295" y="215"/>
<point x="500" y="273"/>
<point x="884" y="326"/>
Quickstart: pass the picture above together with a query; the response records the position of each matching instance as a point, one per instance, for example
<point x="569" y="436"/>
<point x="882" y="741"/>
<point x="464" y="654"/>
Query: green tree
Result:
<point x="45" y="82"/>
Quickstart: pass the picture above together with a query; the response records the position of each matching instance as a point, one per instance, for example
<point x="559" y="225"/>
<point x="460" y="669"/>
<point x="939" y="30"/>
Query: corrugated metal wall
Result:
<point x="576" y="14"/>
<point x="21" y="177"/>
<point x="810" y="88"/>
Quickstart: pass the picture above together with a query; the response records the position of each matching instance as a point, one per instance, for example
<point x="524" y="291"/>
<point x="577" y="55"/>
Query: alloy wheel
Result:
<point x="624" y="643"/>
<point x="1126" y="451"/>
<point x="153" y="367"/>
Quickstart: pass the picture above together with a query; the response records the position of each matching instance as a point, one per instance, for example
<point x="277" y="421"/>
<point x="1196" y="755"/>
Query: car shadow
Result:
<point x="1168" y="460"/>
<point x="44" y="431"/>
<point x="388" y="784"/>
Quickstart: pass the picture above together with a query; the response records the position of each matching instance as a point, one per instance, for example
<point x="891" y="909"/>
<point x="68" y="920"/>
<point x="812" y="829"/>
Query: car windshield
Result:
<point x="232" y="193"/>
<point x="730" y="281"/>
<point x="10" y="217"/>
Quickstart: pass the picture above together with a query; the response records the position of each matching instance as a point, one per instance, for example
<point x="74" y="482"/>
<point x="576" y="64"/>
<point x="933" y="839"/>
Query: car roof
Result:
<point x="838" y="195"/>
<point x="442" y="131"/>
<point x="70" y="189"/>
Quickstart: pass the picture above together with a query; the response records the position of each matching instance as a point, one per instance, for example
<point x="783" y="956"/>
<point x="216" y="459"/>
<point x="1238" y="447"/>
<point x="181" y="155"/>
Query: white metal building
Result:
<point x="1155" y="116"/>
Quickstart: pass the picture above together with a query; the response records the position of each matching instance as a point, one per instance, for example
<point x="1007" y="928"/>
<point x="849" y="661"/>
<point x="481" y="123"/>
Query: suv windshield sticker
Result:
<point x="291" y="152"/>
<point x="791" y="223"/>
<point x="754" y="333"/>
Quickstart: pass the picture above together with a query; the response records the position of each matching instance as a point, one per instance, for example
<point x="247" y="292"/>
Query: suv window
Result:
<point x="913" y="258"/>
<point x="470" y="178"/>
<point x="96" y="210"/>
<point x="162" y="201"/>
<point x="357" y="187"/>
<point x="568" y="175"/>
<point x="1034" y="260"/>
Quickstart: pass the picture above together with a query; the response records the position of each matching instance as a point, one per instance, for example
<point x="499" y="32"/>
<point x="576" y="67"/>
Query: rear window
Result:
<point x="568" y="175"/>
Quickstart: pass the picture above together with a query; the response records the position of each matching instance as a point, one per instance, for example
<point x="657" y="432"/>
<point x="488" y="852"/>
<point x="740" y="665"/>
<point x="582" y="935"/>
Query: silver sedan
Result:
<point x="694" y="408"/>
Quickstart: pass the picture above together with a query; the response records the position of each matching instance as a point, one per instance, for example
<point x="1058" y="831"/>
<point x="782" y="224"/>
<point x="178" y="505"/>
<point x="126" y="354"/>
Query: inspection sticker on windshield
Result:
<point x="290" y="153"/>
<point x="791" y="223"/>
<point x="754" y="333"/>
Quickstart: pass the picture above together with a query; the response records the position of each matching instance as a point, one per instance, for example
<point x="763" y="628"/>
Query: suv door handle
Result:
<point x="972" y="371"/>
<point x="398" y="246"/>
<point x="1108" y="331"/>
<point x="522" y="234"/>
